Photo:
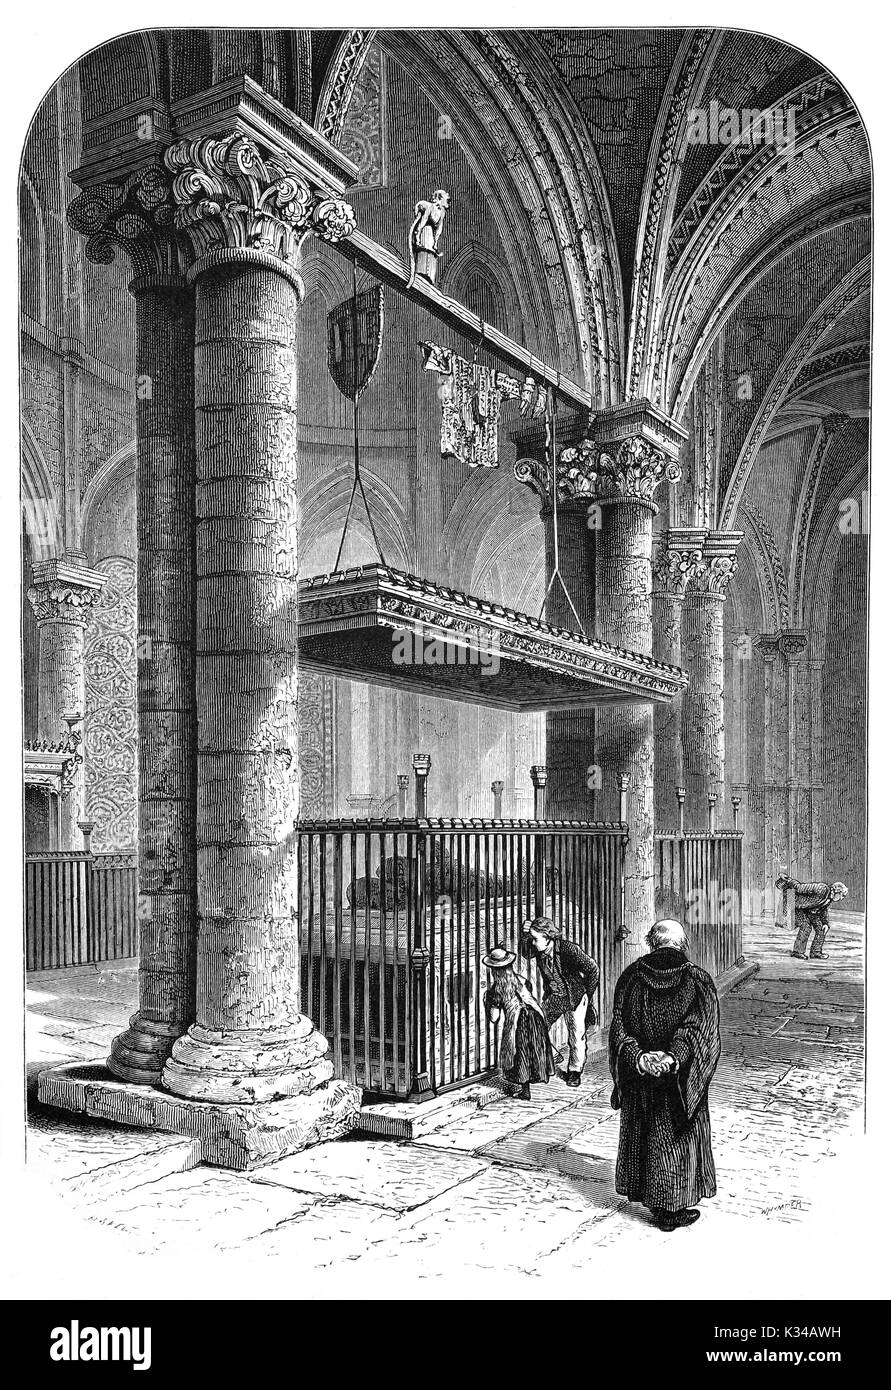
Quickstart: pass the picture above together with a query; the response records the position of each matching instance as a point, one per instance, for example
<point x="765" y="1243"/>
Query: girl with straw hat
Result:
<point x="525" y="1050"/>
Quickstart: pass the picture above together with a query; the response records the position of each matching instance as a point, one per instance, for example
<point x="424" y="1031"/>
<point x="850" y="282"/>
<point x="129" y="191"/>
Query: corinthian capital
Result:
<point x="673" y="570"/>
<point x="630" y="470"/>
<point x="712" y="575"/>
<point x="574" y="483"/>
<point x="229" y="196"/>
<point x="134" y="215"/>
<point x="718" y="565"/>
<point x="64" y="593"/>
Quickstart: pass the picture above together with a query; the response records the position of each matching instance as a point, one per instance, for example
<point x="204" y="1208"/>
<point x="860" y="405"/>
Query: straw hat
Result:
<point x="498" y="958"/>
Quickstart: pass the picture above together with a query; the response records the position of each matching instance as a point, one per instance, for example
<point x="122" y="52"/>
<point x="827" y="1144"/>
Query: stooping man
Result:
<point x="812" y="903"/>
<point x="664" y="1046"/>
<point x="570" y="979"/>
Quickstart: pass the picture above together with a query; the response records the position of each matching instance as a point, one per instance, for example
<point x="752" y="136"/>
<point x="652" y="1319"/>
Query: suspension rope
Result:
<point x="357" y="472"/>
<point x="551" y="448"/>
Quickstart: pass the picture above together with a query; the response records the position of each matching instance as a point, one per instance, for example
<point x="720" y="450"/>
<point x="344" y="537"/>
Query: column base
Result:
<point x="231" y="1136"/>
<point x="139" y="1054"/>
<point x="249" y="1067"/>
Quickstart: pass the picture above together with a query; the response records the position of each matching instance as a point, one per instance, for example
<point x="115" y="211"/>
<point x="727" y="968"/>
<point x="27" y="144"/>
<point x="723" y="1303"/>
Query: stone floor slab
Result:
<point x="62" y="1150"/>
<point x="503" y="1219"/>
<point x="397" y="1176"/>
<point x="204" y="1207"/>
<point x="329" y="1234"/>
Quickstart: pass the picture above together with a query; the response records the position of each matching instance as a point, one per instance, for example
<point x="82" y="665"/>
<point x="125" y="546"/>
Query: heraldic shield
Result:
<point x="355" y="331"/>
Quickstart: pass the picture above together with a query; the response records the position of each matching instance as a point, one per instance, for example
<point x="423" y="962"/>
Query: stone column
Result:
<point x="134" y="216"/>
<point x="63" y="595"/>
<point x="815" y="708"/>
<point x="245" y="213"/>
<point x="782" y="755"/>
<point x="626" y="454"/>
<point x="702" y="710"/>
<point x="570" y="735"/>
<point x="679" y="557"/>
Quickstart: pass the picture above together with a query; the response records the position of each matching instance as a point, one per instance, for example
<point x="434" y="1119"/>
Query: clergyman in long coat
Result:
<point x="663" y="1050"/>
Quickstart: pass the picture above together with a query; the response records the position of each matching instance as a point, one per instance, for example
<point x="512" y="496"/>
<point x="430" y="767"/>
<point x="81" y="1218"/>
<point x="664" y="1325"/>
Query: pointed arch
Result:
<point x="849" y="289"/>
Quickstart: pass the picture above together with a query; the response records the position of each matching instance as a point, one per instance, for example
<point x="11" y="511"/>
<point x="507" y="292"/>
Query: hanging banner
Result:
<point x="353" y="367"/>
<point x="471" y="397"/>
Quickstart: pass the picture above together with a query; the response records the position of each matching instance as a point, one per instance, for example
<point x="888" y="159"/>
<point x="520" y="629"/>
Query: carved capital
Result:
<point x="134" y="215"/>
<point x="792" y="643"/>
<point x="712" y="575"/>
<point x="64" y="593"/>
<point x="628" y="471"/>
<point x="229" y="196"/>
<point x="673" y="570"/>
<point x="718" y="565"/>
<point x="789" y="643"/>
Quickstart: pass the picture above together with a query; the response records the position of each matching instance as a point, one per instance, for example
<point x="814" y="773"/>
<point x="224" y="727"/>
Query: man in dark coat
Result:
<point x="812" y="904"/>
<point x="664" y="1047"/>
<point x="570" y="977"/>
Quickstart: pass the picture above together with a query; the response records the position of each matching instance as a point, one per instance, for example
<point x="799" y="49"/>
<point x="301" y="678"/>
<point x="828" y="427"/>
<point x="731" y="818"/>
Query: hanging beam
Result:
<point x="391" y="271"/>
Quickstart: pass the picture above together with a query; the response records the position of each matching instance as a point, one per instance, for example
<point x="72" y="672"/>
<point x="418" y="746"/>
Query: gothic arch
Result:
<point x="854" y="284"/>
<point x="545" y="193"/>
<point x="682" y="366"/>
<point x="821" y="176"/>
<point x="323" y="507"/>
<point x="824" y="544"/>
<point x="475" y="259"/>
<point x="39" y="503"/>
<point x="689" y="74"/>
<point x="38" y="265"/>
<point x="768" y="567"/>
<point x="106" y="475"/>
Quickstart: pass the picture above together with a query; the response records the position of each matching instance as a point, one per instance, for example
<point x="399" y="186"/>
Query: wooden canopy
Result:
<point x="378" y="624"/>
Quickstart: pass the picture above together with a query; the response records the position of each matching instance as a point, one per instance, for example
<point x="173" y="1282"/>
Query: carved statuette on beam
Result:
<point x="424" y="235"/>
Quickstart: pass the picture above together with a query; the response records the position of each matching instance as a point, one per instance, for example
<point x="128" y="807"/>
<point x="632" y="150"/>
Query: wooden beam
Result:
<point x="391" y="271"/>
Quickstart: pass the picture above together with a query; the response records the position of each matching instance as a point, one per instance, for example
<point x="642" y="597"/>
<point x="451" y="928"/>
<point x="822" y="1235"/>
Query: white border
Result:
<point x="843" y="1256"/>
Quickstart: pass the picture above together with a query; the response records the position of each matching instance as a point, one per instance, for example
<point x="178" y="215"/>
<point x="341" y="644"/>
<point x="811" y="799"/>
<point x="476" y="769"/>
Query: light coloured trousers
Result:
<point x="578" y="1042"/>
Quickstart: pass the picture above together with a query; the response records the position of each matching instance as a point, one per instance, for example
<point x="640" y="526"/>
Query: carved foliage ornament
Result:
<point x="632" y="471"/>
<point x="135" y="216"/>
<point x="226" y="193"/>
<point x="215" y="193"/>
<point x="65" y="603"/>
<point x="673" y="569"/>
<point x="587" y="472"/>
<point x="713" y="574"/>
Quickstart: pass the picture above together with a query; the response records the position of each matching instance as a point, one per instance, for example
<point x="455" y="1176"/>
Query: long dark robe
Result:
<point x="664" y="1003"/>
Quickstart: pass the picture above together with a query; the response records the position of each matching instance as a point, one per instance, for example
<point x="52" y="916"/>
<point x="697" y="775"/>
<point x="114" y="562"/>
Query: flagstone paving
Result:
<point x="500" y="1185"/>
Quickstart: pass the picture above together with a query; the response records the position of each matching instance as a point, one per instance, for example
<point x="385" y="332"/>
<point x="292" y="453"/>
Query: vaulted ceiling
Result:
<point x="649" y="261"/>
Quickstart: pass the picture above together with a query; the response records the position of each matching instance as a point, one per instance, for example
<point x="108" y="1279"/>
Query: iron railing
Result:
<point x="80" y="908"/>
<point x="395" y="917"/>
<point x="699" y="882"/>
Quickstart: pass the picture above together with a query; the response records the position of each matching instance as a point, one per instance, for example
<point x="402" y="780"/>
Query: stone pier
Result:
<point x="213" y="226"/>
<point x="605" y="510"/>
<point x="702" y="710"/>
<point x="677" y="560"/>
<point x="121" y="217"/>
<point x="63" y="594"/>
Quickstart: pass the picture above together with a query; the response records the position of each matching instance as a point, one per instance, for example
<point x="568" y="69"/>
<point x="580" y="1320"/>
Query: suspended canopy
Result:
<point x="379" y="624"/>
<point x="375" y="623"/>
